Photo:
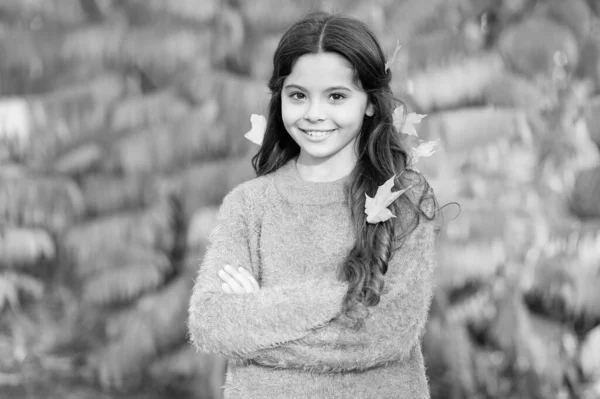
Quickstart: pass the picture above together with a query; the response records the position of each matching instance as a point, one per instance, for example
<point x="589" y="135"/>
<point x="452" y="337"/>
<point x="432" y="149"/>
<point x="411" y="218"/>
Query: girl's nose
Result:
<point x="314" y="112"/>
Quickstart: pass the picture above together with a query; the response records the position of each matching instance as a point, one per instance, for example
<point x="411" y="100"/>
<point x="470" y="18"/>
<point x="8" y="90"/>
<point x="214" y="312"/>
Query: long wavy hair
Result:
<point x="382" y="152"/>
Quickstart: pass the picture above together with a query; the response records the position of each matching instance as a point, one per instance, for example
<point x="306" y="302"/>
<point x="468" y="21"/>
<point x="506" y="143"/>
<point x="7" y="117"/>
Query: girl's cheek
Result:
<point x="293" y="112"/>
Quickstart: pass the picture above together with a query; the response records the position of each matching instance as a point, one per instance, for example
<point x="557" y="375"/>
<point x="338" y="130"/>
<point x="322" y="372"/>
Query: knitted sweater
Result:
<point x="290" y="339"/>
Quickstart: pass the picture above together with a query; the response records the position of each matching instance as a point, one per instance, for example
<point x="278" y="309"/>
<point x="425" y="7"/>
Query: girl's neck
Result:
<point x="323" y="172"/>
<point x="291" y="186"/>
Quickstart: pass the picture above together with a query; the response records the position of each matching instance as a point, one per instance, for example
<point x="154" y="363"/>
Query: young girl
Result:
<point x="310" y="287"/>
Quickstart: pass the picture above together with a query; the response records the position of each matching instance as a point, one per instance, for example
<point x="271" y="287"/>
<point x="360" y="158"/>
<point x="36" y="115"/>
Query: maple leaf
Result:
<point x="397" y="117"/>
<point x="376" y="207"/>
<point x="389" y="63"/>
<point x="257" y="132"/>
<point x="412" y="119"/>
<point x="408" y="127"/>
<point x="424" y="149"/>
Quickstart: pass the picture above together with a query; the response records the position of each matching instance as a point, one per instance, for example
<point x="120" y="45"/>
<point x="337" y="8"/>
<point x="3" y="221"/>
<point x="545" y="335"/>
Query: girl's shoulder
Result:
<point x="248" y="194"/>
<point x="421" y="194"/>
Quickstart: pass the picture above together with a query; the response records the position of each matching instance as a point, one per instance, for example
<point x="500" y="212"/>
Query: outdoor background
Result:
<point x="121" y="129"/>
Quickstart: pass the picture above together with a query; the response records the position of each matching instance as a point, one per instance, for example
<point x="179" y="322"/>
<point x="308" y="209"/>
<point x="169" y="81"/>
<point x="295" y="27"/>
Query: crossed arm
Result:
<point x="239" y="326"/>
<point x="300" y="325"/>
<point x="390" y="332"/>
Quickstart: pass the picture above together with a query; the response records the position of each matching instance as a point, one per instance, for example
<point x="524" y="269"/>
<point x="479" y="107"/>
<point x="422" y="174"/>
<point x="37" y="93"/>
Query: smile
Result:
<point x="317" y="133"/>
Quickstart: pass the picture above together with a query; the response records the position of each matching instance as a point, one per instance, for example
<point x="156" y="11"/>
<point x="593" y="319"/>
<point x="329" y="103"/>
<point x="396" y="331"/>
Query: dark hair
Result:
<point x="382" y="151"/>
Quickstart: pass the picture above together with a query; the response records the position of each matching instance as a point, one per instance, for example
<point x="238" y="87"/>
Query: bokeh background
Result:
<point x="121" y="129"/>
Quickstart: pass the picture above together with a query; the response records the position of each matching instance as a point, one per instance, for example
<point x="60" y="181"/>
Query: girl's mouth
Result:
<point x="317" y="133"/>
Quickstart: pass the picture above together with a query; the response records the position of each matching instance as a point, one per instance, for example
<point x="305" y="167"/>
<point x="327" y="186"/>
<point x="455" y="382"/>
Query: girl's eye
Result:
<point x="297" y="96"/>
<point x="337" y="96"/>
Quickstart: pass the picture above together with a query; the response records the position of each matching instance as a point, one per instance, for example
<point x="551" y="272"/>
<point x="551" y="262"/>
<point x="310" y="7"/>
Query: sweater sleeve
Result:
<point x="235" y="326"/>
<point x="391" y="330"/>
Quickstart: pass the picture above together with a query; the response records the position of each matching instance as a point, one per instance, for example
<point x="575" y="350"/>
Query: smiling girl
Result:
<point x="301" y="289"/>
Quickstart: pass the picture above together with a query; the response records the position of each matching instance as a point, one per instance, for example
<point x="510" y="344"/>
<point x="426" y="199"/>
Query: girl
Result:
<point x="310" y="287"/>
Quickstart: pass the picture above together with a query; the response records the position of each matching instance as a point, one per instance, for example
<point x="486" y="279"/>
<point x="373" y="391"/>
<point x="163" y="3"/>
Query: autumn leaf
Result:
<point x="257" y="132"/>
<point x="397" y="117"/>
<point x="424" y="149"/>
<point x="376" y="208"/>
<point x="13" y="284"/>
<point x="8" y="293"/>
<point x="408" y="127"/>
<point x="15" y="121"/>
<point x="389" y="63"/>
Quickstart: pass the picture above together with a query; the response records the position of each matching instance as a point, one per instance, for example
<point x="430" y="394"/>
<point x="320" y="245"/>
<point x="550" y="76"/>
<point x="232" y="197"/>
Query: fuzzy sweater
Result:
<point x="290" y="339"/>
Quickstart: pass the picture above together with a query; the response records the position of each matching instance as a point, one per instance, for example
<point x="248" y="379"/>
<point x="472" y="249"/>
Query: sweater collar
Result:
<point x="293" y="188"/>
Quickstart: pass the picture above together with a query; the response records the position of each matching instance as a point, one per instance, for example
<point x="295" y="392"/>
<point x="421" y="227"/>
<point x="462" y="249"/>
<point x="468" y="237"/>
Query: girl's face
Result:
<point x="323" y="109"/>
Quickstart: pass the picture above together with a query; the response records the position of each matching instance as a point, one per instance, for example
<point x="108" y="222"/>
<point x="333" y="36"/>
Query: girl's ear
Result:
<point x="370" y="111"/>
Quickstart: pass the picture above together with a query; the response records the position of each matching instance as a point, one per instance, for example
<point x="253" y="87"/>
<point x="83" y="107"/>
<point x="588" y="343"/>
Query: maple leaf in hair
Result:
<point x="408" y="127"/>
<point x="257" y="132"/>
<point x="424" y="149"/>
<point x="391" y="61"/>
<point x="376" y="207"/>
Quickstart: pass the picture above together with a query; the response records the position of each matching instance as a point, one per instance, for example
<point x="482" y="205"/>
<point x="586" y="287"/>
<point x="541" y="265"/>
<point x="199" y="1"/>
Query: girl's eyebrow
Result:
<point x="333" y="88"/>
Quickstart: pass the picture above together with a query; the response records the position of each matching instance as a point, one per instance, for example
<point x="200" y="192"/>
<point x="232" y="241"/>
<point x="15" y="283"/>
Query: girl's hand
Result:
<point x="239" y="281"/>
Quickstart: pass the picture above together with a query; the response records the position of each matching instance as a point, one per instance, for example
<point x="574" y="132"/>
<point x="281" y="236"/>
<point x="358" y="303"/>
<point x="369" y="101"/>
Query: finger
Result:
<point x="233" y="284"/>
<point x="242" y="284"/>
<point x="240" y="278"/>
<point x="226" y="288"/>
<point x="250" y="277"/>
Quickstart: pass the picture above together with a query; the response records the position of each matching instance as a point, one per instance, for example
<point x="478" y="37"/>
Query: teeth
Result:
<point x="313" y="133"/>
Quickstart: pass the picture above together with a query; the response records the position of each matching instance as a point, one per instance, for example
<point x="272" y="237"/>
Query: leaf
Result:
<point x="163" y="49"/>
<point x="457" y="83"/>
<point x="424" y="149"/>
<point x="565" y="278"/>
<point x="96" y="43"/>
<point x="103" y="194"/>
<point x="458" y="355"/>
<point x="12" y="284"/>
<point x="530" y="46"/>
<point x="259" y="125"/>
<point x="8" y="293"/>
<point x="376" y="208"/>
<point x="79" y="159"/>
<point x="478" y="309"/>
<point x="589" y="354"/>
<point x="140" y="111"/>
<point x="168" y="146"/>
<point x="154" y="324"/>
<point x="15" y="123"/>
<point x="25" y="247"/>
<point x="258" y="16"/>
<point x="66" y="116"/>
<point x="65" y="13"/>
<point x="124" y="284"/>
<point x="243" y="95"/>
<point x="406" y="126"/>
<point x="469" y="261"/>
<point x="409" y="125"/>
<point x="184" y="364"/>
<point x="120" y="257"/>
<point x="217" y="177"/>
<point x="151" y="227"/>
<point x="32" y="200"/>
<point x="390" y="62"/>
<point x="471" y="128"/>
<point x="397" y="117"/>
<point x="584" y="197"/>
<point x="192" y="10"/>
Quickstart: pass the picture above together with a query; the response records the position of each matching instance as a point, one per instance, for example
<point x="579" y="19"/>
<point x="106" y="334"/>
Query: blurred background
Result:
<point x="121" y="129"/>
